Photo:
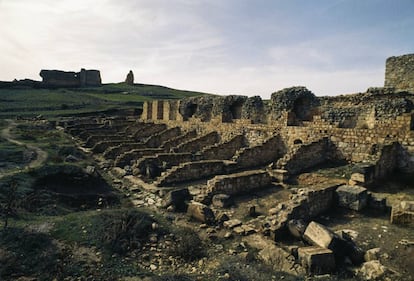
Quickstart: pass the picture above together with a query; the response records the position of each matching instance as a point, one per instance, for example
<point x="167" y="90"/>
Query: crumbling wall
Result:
<point x="68" y="79"/>
<point x="399" y="73"/>
<point x="198" y="144"/>
<point x="224" y="151"/>
<point x="238" y="183"/>
<point x="303" y="157"/>
<point x="298" y="101"/>
<point x="194" y="170"/>
<point x="269" y="151"/>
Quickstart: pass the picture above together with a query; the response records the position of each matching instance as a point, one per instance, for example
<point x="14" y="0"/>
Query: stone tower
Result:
<point x="399" y="73"/>
<point x="130" y="78"/>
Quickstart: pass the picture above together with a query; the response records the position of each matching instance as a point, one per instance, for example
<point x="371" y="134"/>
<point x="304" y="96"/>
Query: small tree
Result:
<point x="8" y="206"/>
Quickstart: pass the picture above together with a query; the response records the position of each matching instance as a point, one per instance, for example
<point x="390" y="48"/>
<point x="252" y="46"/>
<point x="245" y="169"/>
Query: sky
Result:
<point x="245" y="47"/>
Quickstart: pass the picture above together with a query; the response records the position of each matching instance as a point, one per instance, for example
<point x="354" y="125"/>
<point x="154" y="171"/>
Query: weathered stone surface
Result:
<point x="399" y="73"/>
<point x="372" y="254"/>
<point x="201" y="212"/>
<point x="222" y="200"/>
<point x="232" y="223"/>
<point x="372" y="270"/>
<point x="317" y="260"/>
<point x="297" y="228"/>
<point x="274" y="256"/>
<point x="297" y="100"/>
<point x="403" y="213"/>
<point x="352" y="197"/>
<point x="129" y="80"/>
<point x="319" y="235"/>
<point x="178" y="199"/>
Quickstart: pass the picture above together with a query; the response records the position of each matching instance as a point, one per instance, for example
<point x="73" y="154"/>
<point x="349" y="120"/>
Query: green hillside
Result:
<point x="63" y="102"/>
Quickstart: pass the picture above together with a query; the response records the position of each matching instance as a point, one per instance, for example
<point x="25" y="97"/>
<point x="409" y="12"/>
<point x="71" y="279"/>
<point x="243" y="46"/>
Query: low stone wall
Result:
<point x="194" y="171"/>
<point x="94" y="139"/>
<point x="198" y="144"/>
<point x="163" y="160"/>
<point x="302" y="157"/>
<point x="149" y="131"/>
<point x="101" y="146"/>
<point x="238" y="183"/>
<point x="157" y="139"/>
<point x="113" y="152"/>
<point x="224" y="151"/>
<point x="269" y="151"/>
<point x="179" y="140"/>
<point x="126" y="158"/>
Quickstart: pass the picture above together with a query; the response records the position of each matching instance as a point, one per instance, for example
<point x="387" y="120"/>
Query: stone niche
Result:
<point x="399" y="73"/>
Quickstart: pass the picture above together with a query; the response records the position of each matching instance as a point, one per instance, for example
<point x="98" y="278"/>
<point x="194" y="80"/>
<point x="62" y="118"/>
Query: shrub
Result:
<point x="188" y="246"/>
<point x="126" y="230"/>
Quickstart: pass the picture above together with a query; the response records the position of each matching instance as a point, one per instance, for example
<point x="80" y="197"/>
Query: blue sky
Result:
<point x="227" y="47"/>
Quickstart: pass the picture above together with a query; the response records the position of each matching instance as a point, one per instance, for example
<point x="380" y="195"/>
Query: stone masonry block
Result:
<point x="317" y="260"/>
<point x="319" y="235"/>
<point x="352" y="197"/>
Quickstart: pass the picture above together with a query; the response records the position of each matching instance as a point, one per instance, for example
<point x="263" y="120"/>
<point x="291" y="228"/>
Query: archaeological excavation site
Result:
<point x="208" y="187"/>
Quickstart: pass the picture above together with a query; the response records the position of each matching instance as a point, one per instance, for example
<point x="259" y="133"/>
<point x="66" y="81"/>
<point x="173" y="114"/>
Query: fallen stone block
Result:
<point x="178" y="199"/>
<point x="222" y="200"/>
<point x="232" y="223"/>
<point x="319" y="235"/>
<point x="352" y="197"/>
<point x="201" y="212"/>
<point x="274" y="256"/>
<point x="403" y="213"/>
<point x="317" y="260"/>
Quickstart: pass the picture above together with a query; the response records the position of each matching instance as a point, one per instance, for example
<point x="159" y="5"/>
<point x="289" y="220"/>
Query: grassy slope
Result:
<point x="57" y="102"/>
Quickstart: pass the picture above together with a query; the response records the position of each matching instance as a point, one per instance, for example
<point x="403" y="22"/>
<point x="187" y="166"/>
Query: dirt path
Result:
<point x="41" y="155"/>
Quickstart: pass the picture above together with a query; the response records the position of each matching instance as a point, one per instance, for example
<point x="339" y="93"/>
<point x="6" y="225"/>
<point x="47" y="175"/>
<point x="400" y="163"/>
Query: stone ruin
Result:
<point x="129" y="80"/>
<point x="212" y="148"/>
<point x="70" y="79"/>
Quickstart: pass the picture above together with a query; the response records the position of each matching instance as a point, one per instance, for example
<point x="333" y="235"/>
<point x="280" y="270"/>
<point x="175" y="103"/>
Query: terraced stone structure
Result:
<point x="231" y="145"/>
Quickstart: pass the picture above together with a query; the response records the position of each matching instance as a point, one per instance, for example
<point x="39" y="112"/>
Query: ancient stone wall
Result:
<point x="68" y="79"/>
<point x="304" y="156"/>
<point x="225" y="150"/>
<point x="194" y="170"/>
<point x="238" y="183"/>
<point x="267" y="152"/>
<point x="399" y="73"/>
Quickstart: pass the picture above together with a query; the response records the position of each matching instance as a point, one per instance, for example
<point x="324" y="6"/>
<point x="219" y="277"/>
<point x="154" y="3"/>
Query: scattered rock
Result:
<point x="222" y="200"/>
<point x="372" y="254"/>
<point x="232" y="223"/>
<point x="201" y="212"/>
<point x="372" y="270"/>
